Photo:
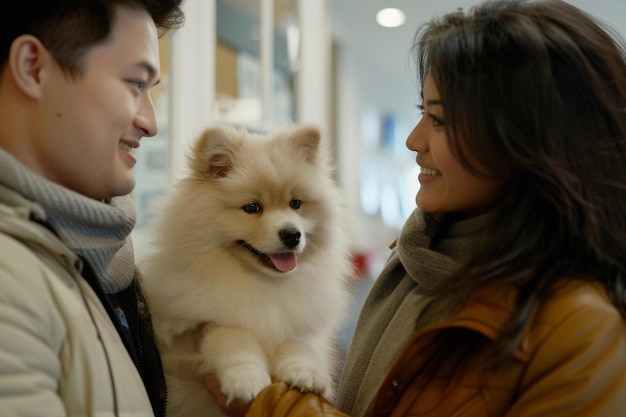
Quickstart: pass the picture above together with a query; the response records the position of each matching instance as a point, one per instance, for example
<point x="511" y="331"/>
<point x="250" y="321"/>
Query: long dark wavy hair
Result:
<point x="537" y="91"/>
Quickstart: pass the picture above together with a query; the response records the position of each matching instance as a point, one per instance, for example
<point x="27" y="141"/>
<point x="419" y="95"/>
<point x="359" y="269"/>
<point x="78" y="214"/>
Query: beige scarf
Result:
<point x="430" y="249"/>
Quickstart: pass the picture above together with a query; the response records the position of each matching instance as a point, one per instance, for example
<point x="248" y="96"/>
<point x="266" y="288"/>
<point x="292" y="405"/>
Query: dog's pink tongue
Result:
<point x="284" y="262"/>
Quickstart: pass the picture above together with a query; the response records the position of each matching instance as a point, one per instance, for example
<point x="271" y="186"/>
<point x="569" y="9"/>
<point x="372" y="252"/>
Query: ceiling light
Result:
<point x="390" y="17"/>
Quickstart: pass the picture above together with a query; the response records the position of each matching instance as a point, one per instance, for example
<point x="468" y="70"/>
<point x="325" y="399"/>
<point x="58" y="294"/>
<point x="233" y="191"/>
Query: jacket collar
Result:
<point x="487" y="312"/>
<point x="26" y="221"/>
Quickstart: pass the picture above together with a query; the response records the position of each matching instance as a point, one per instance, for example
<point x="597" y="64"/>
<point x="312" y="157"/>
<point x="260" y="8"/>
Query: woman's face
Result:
<point x="445" y="184"/>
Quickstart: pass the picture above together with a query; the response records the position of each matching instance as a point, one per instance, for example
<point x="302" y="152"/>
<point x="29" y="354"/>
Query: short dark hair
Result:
<point x="68" y="28"/>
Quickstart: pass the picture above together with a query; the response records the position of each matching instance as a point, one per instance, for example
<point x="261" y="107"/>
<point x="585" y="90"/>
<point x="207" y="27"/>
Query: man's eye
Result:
<point x="139" y="85"/>
<point x="252" y="208"/>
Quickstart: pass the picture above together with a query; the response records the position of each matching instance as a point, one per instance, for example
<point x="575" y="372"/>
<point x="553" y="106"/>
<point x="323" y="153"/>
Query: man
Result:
<point x="75" y="81"/>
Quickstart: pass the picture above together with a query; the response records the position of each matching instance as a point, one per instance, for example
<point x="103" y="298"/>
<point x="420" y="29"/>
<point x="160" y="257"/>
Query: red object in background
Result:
<point x="360" y="261"/>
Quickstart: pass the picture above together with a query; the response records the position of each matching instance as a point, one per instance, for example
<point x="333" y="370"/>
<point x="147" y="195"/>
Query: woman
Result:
<point x="506" y="292"/>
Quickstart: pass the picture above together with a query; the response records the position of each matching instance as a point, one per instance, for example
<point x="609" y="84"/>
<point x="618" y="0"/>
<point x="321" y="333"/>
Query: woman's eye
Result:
<point x="295" y="203"/>
<point x="436" y="121"/>
<point x="252" y="208"/>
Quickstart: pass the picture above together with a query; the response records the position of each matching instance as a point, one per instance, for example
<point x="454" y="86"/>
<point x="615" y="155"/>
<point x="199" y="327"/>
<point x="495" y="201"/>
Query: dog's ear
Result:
<point x="212" y="155"/>
<point x="306" y="140"/>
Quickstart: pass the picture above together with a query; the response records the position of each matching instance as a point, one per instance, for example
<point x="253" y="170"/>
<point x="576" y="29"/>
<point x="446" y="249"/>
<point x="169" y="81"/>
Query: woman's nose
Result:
<point x="416" y="141"/>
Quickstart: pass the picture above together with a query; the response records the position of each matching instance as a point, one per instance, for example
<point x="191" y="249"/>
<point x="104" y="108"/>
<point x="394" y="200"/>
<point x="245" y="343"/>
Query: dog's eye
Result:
<point x="295" y="203"/>
<point x="252" y="208"/>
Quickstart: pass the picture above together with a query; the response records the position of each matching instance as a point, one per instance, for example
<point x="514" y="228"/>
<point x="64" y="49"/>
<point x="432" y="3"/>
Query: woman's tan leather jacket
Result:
<point x="571" y="362"/>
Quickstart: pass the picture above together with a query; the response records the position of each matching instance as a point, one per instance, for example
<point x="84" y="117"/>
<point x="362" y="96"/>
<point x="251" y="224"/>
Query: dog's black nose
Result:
<point x="290" y="236"/>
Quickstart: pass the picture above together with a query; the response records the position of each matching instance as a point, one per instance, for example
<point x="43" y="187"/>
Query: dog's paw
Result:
<point x="305" y="376"/>
<point x="243" y="382"/>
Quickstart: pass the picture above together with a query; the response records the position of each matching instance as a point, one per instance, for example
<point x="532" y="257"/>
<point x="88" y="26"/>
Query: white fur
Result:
<point x="256" y="323"/>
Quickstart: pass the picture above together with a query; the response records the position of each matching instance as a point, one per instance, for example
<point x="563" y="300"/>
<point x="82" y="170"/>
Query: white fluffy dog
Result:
<point x="250" y="249"/>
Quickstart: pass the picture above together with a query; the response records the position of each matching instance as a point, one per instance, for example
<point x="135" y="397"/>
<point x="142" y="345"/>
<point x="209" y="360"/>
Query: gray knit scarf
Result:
<point x="98" y="231"/>
<point x="401" y="301"/>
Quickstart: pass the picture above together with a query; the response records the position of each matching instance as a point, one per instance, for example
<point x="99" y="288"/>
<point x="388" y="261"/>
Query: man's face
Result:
<point x="90" y="124"/>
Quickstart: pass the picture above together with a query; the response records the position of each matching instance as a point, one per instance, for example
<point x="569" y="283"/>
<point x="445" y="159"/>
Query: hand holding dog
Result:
<point x="277" y="400"/>
<point x="281" y="400"/>
<point x="235" y="408"/>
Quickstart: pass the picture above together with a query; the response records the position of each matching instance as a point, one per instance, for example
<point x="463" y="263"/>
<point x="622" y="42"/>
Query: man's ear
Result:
<point x="28" y="58"/>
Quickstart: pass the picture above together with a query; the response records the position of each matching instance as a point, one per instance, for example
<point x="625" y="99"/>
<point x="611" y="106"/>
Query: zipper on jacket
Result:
<point x="99" y="335"/>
